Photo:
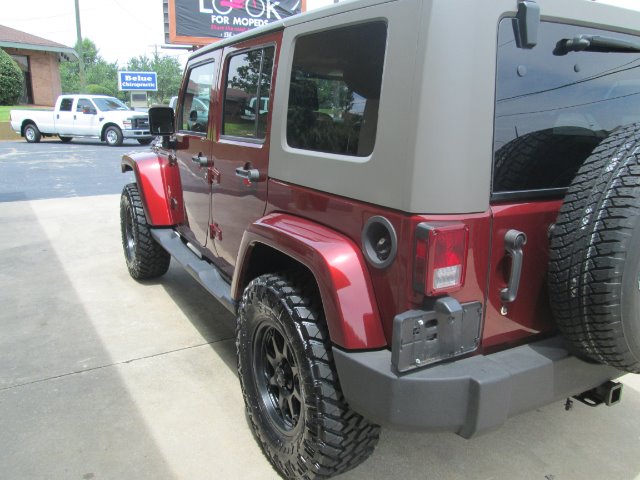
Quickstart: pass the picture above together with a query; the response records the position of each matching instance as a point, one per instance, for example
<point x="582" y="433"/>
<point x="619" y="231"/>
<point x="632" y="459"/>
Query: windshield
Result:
<point x="109" y="103"/>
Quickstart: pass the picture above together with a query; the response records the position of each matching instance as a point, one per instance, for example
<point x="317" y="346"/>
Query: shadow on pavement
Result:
<point x="66" y="412"/>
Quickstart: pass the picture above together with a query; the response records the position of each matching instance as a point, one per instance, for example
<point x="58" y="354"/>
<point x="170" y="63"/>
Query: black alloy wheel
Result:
<point x="277" y="377"/>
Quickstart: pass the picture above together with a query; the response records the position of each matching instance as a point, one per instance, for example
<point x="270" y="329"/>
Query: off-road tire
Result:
<point x="113" y="136"/>
<point x="65" y="139"/>
<point x="31" y="133"/>
<point x="145" y="141"/>
<point x="144" y="256"/>
<point x="594" y="269"/>
<point x="327" y="437"/>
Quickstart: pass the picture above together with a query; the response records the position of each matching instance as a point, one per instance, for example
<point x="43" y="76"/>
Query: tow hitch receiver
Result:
<point x="608" y="393"/>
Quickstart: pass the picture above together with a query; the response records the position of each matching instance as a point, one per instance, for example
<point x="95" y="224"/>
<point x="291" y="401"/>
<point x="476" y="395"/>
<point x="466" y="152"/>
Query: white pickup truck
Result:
<point x="83" y="116"/>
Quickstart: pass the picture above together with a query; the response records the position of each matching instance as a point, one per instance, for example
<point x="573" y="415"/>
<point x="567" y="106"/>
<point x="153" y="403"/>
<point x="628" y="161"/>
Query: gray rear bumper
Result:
<point x="466" y="396"/>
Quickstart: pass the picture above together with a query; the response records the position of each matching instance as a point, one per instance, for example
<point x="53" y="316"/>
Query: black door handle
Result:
<point x="513" y="243"/>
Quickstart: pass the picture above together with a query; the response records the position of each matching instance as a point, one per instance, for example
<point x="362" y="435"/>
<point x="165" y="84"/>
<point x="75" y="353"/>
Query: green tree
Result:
<point x="102" y="74"/>
<point x="11" y="80"/>
<point x="98" y="72"/>
<point x="168" y="70"/>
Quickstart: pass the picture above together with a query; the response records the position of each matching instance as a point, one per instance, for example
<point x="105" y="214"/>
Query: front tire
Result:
<point x="144" y="256"/>
<point x="113" y="136"/>
<point x="32" y="134"/>
<point x="65" y="139"/>
<point x="290" y="385"/>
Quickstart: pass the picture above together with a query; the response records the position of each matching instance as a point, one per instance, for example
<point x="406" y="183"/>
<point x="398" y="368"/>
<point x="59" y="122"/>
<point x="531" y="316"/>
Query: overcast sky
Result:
<point x="120" y="28"/>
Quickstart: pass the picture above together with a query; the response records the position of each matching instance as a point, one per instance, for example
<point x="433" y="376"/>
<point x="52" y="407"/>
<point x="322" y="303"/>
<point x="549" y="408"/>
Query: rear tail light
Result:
<point x="440" y="258"/>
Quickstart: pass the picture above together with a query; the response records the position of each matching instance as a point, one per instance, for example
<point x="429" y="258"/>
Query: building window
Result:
<point x="27" y="89"/>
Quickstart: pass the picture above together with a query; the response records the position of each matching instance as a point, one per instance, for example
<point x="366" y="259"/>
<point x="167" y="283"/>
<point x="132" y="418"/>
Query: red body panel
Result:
<point x="160" y="186"/>
<point x="339" y="268"/>
<point x="392" y="286"/>
<point x="530" y="312"/>
<point x="238" y="203"/>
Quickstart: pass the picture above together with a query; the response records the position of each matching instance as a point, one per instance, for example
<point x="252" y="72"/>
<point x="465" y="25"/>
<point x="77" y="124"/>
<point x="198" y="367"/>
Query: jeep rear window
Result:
<point x="335" y="89"/>
<point x="553" y="110"/>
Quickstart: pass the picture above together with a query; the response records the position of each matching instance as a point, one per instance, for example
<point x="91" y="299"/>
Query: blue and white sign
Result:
<point x="128" y="81"/>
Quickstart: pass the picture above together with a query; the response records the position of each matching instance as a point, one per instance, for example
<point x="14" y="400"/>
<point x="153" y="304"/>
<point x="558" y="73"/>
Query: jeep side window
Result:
<point x="552" y="110"/>
<point x="194" y="112"/>
<point x="66" y="104"/>
<point x="246" y="100"/>
<point x="334" y="92"/>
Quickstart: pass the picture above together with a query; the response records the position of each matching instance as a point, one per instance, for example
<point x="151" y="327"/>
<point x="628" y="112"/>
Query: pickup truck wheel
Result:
<point x="32" y="134"/>
<point x="65" y="139"/>
<point x="145" y="141"/>
<point x="113" y="136"/>
<point x="290" y="385"/>
<point x="144" y="256"/>
<point x="594" y="269"/>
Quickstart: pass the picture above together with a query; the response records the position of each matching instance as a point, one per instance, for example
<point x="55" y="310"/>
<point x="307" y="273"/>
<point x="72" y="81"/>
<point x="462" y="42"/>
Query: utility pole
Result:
<point x="79" y="33"/>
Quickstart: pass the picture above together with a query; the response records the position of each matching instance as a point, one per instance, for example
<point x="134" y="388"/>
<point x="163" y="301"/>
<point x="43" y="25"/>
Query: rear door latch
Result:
<point x="514" y="240"/>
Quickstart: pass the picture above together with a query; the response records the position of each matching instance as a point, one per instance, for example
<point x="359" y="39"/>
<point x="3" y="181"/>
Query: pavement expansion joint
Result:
<point x="115" y="364"/>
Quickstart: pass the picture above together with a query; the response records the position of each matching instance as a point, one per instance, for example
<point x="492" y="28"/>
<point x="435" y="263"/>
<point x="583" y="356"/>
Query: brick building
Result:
<point x="39" y="60"/>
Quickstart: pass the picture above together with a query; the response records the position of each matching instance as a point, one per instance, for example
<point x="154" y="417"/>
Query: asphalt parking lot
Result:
<point x="102" y="377"/>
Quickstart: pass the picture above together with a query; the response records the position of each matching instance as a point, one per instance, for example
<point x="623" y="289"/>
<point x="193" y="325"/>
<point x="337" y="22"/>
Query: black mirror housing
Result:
<point x="162" y="120"/>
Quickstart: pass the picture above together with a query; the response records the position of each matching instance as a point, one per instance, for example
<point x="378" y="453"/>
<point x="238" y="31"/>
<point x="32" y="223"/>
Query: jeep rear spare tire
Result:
<point x="290" y="385"/>
<point x="594" y="270"/>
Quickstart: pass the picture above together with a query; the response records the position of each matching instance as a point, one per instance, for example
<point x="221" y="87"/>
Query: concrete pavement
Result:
<point x="102" y="377"/>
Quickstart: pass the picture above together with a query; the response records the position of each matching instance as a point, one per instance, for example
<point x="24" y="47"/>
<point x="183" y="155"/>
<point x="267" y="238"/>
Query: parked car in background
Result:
<point x="96" y="116"/>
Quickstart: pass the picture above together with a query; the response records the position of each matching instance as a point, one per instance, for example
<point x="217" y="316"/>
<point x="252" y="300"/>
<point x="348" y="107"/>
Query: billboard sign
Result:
<point x="199" y="22"/>
<point x="130" y="81"/>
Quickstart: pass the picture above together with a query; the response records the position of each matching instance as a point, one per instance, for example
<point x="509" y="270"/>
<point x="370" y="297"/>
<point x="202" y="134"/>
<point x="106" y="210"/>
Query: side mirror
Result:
<point x="161" y="120"/>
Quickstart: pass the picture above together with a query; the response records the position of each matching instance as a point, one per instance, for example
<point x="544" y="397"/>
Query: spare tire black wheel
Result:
<point x="594" y="269"/>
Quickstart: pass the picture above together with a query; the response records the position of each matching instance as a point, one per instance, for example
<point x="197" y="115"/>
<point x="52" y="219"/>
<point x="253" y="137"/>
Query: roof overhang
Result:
<point x="64" y="53"/>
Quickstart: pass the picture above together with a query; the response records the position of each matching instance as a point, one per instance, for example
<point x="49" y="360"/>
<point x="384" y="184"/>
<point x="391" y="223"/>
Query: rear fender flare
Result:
<point x="160" y="187"/>
<point x="339" y="269"/>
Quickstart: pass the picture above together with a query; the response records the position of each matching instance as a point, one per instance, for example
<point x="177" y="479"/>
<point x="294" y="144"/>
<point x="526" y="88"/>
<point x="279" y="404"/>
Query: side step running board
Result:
<point x="205" y="273"/>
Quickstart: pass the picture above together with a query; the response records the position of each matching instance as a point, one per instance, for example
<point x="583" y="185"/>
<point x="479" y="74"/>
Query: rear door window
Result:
<point x="553" y="109"/>
<point x="334" y="92"/>
<point x="66" y="104"/>
<point x="247" y="91"/>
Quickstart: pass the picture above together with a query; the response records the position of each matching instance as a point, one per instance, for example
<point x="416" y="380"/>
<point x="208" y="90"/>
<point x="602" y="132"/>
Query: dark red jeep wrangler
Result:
<point x="424" y="213"/>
